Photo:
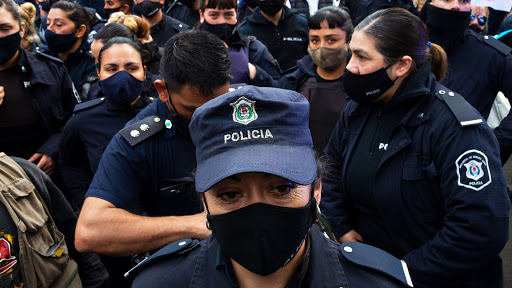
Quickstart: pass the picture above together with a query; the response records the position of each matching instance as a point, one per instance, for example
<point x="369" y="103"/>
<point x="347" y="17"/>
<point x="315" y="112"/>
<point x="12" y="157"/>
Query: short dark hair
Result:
<point x="335" y="18"/>
<point x="12" y="8"/>
<point x="221" y="4"/>
<point x="127" y="2"/>
<point x="119" y="41"/>
<point x="195" y="58"/>
<point x="397" y="32"/>
<point x="76" y="13"/>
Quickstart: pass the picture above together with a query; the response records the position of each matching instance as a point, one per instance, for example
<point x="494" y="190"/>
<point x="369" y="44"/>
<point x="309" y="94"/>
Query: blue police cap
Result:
<point x="253" y="129"/>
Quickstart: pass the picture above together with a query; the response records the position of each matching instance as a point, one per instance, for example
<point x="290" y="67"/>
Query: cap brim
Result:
<point x="296" y="164"/>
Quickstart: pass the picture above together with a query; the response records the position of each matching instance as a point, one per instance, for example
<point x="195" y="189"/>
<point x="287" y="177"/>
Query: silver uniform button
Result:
<point x="156" y="119"/>
<point x="486" y="37"/>
<point x="182" y="243"/>
<point x="451" y="93"/>
<point x="347" y="249"/>
<point x="144" y="127"/>
<point x="442" y="92"/>
<point x="102" y="98"/>
<point x="134" y="133"/>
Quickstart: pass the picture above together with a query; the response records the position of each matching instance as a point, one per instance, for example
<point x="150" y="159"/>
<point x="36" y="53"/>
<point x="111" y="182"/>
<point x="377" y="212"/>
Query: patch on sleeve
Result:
<point x="473" y="170"/>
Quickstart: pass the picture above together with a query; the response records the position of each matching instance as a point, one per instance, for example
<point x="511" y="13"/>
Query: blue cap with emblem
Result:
<point x="253" y="129"/>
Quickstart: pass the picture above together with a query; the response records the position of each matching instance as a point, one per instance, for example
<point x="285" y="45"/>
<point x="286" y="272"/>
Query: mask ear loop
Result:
<point x="206" y="212"/>
<point x="170" y="99"/>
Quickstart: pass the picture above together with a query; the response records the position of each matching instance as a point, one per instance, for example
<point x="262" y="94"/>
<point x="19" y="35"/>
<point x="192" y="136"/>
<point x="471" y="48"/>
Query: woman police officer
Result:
<point x="258" y="178"/>
<point x="416" y="171"/>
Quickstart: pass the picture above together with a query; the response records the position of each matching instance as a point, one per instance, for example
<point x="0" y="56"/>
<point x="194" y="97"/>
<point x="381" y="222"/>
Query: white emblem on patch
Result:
<point x="473" y="170"/>
<point x="244" y="111"/>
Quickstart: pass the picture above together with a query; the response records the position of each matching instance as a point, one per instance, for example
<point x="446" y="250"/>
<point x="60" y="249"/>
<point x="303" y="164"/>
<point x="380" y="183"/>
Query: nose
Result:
<point x="352" y="67"/>
<point x="455" y="6"/>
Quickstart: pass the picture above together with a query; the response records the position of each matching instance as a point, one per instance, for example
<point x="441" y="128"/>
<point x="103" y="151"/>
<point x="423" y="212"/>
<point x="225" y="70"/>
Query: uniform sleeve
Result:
<point x="476" y="205"/>
<point x="333" y="204"/>
<point x="119" y="178"/>
<point x="68" y="100"/>
<point x="261" y="57"/>
<point x="73" y="163"/>
<point x="504" y="131"/>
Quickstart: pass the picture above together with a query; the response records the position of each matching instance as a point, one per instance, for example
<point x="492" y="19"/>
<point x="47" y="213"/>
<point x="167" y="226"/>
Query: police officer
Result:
<point x="479" y="65"/>
<point x="38" y="96"/>
<point x="163" y="26"/>
<point x="416" y="170"/>
<point x="67" y="32"/>
<point x="258" y="177"/>
<point x="95" y="122"/>
<point x="145" y="170"/>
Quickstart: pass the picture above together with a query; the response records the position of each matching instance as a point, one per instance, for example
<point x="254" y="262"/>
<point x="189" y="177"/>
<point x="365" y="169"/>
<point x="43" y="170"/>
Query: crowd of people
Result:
<point x="253" y="143"/>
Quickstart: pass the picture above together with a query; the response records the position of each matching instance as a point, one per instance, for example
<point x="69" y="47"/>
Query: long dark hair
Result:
<point x="397" y="32"/>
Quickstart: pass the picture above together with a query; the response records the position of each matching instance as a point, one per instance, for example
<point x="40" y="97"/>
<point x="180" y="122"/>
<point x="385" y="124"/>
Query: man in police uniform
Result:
<point x="146" y="167"/>
<point x="479" y="65"/>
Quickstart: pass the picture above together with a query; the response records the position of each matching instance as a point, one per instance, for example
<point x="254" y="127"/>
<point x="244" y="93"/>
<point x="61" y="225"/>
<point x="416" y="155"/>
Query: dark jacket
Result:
<point x="302" y="6"/>
<point x="360" y="9"/>
<point x="86" y="136"/>
<point x="447" y="219"/>
<point x="478" y="71"/>
<point x="165" y="29"/>
<point x="53" y="95"/>
<point x="287" y="42"/>
<point x="181" y="12"/>
<point x="91" y="270"/>
<point x="202" y="264"/>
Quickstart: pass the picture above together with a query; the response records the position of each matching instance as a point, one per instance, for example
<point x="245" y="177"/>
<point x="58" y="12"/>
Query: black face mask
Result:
<point x="45" y="6"/>
<point x="446" y="27"/>
<point x="149" y="9"/>
<point x="10" y="44"/>
<point x="58" y="43"/>
<point x="108" y="11"/>
<point x="271" y="7"/>
<point x="153" y="52"/>
<point x="364" y="89"/>
<point x="179" y="121"/>
<point x="261" y="237"/>
<point x="224" y="31"/>
<point x="476" y="28"/>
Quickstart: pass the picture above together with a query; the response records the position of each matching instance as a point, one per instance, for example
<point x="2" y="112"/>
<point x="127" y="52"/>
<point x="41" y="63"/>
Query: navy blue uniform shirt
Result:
<point x="152" y="177"/>
<point x="439" y="188"/>
<point x="86" y="136"/>
<point x="165" y="29"/>
<point x="204" y="265"/>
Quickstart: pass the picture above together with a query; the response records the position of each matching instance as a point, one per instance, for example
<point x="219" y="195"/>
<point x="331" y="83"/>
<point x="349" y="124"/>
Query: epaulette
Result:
<point x="496" y="44"/>
<point x="143" y="129"/>
<point x="169" y="250"/>
<point x="88" y="104"/>
<point x="460" y="108"/>
<point x="237" y="86"/>
<point x="376" y="259"/>
<point x="49" y="57"/>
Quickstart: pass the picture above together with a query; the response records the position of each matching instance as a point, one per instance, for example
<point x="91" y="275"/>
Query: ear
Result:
<point x="404" y="66"/>
<point x="98" y="70"/>
<point x="162" y="90"/>
<point x="145" y="71"/>
<point x="81" y="31"/>
<point x="201" y="16"/>
<point x="162" y="2"/>
<point x="22" y="30"/>
<point x="125" y="9"/>
<point x="318" y="192"/>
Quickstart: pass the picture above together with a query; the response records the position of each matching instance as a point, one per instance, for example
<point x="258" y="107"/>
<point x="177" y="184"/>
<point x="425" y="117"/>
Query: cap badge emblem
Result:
<point x="244" y="111"/>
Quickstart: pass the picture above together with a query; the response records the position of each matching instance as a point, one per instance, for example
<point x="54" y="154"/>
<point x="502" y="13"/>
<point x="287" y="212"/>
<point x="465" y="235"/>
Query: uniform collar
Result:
<point x="165" y="115"/>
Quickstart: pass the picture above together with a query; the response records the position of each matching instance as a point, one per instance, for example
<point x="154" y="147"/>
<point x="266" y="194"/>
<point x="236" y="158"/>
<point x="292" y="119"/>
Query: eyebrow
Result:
<point x="359" y="51"/>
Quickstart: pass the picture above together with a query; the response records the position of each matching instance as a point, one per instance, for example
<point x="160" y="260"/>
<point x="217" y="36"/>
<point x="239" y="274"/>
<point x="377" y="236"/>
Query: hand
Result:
<point x="2" y="94"/>
<point x="252" y="71"/>
<point x="199" y="223"/>
<point x="352" y="235"/>
<point x="45" y="163"/>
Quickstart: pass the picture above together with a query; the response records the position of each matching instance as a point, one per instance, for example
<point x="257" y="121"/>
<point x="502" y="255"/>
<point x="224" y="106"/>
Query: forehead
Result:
<point x="478" y="10"/>
<point x="6" y="17"/>
<point x="363" y="42"/>
<point x="56" y="13"/>
<point x="120" y="54"/>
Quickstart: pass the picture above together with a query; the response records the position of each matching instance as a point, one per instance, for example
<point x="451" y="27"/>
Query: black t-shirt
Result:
<point x="10" y="272"/>
<point x="21" y="126"/>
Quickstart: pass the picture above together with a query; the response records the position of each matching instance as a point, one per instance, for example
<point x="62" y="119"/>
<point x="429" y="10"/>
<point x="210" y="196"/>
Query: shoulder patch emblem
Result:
<point x="244" y="111"/>
<point x="473" y="170"/>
